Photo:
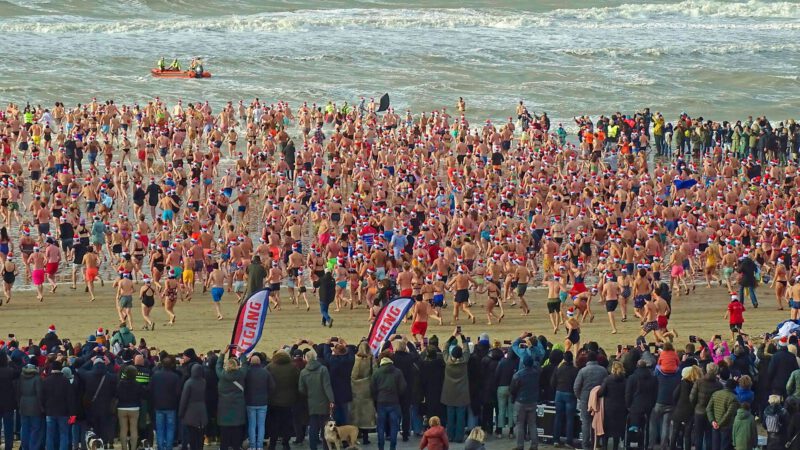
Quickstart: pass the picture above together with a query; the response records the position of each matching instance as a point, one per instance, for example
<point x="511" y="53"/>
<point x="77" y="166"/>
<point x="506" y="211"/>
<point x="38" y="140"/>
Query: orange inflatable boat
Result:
<point x="178" y="74"/>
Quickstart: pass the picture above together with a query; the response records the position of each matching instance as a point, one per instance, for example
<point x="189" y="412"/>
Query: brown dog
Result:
<point x="334" y="436"/>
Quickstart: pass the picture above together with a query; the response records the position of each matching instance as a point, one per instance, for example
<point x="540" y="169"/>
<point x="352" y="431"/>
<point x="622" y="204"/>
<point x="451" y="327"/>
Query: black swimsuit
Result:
<point x="9" y="276"/>
<point x="149" y="300"/>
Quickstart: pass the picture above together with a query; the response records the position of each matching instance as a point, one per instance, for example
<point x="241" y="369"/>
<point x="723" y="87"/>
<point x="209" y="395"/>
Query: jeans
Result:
<point x="659" y="425"/>
<point x="505" y="408"/>
<point x="315" y="424"/>
<point x="390" y="413"/>
<point x="526" y="420"/>
<point x="586" y="428"/>
<point x="165" y="429"/>
<point x="753" y="298"/>
<point x="416" y="420"/>
<point x="323" y="309"/>
<point x="702" y="432"/>
<point x="456" y="420"/>
<point x="30" y="433"/>
<point x="722" y="439"/>
<point x="7" y="422"/>
<point x="57" y="431"/>
<point x="341" y="411"/>
<point x="566" y="405"/>
<point x="256" y="423"/>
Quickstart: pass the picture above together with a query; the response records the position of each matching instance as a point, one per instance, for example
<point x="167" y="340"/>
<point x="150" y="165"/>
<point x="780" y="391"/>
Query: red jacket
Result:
<point x="434" y="439"/>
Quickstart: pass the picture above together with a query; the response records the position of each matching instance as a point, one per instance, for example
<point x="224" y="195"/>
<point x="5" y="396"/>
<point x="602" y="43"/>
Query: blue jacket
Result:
<point x="525" y="385"/>
<point x="666" y="387"/>
<point x="536" y="351"/>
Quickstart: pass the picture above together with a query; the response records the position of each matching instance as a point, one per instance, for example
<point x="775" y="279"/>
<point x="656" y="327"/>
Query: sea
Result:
<point x="710" y="58"/>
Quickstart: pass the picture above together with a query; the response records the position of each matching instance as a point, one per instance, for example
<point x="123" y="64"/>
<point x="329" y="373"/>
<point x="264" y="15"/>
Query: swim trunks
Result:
<point x="419" y="328"/>
<point x="611" y="305"/>
<point x="125" y="301"/>
<point x="216" y="294"/>
<point x="553" y="305"/>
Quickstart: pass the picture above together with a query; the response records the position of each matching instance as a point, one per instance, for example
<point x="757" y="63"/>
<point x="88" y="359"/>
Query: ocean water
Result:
<point x="722" y="59"/>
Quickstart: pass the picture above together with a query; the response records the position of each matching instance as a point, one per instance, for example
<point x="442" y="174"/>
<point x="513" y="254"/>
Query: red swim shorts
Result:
<point x="419" y="328"/>
<point x="51" y="268"/>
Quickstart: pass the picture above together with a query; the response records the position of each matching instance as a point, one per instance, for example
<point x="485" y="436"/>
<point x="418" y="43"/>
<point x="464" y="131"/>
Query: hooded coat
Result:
<point x="431" y="366"/>
<point x="362" y="409"/>
<point x="30" y="393"/>
<point x="286" y="376"/>
<point x="231" y="385"/>
<point x="315" y="384"/>
<point x="192" y="411"/>
<point x="123" y="337"/>
<point x="455" y="390"/>
<point x="745" y="434"/>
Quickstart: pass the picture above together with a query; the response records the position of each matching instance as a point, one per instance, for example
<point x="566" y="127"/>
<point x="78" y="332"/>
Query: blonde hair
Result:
<point x="310" y="355"/>
<point x="434" y="421"/>
<point x="745" y="381"/>
<point x="477" y="434"/>
<point x="231" y="364"/>
<point x="695" y="373"/>
<point x="617" y="368"/>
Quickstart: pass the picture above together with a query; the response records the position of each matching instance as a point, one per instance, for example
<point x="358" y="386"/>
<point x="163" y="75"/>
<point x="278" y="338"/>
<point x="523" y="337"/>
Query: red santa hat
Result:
<point x="51" y="329"/>
<point x="100" y="332"/>
<point x="783" y="342"/>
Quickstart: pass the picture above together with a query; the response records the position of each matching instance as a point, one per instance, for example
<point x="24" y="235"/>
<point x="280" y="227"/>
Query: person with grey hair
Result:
<point x="589" y="377"/>
<point x="315" y="384"/>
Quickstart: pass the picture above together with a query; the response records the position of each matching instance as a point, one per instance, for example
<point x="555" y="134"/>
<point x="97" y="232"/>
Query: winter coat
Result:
<point x="259" y="384"/>
<point x="130" y="394"/>
<point x="702" y="391"/>
<point x="640" y="391"/>
<point x="488" y="393"/>
<point x="745" y="435"/>
<point x="57" y="396"/>
<point x="666" y="387"/>
<point x="99" y="388"/>
<point x="722" y="408"/>
<point x="455" y="389"/>
<point x="614" y="408"/>
<point x="431" y="365"/>
<point x="588" y="378"/>
<point x="192" y="410"/>
<point x="123" y="337"/>
<point x="286" y="377"/>
<point x="340" y="368"/>
<point x="165" y="390"/>
<point x="793" y="384"/>
<point x="362" y="409"/>
<point x="387" y="384"/>
<point x="684" y="411"/>
<point x="406" y="362"/>
<point x="8" y="394"/>
<point x="524" y="386"/>
<point x="315" y="384"/>
<point x="231" y="409"/>
<point x="434" y="438"/>
<point x="30" y="393"/>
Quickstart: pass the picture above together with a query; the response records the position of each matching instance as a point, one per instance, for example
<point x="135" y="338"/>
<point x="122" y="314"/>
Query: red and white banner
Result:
<point x="386" y="323"/>
<point x="250" y="322"/>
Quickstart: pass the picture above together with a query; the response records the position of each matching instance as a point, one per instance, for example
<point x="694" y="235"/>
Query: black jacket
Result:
<point x="165" y="390"/>
<point x="57" y="396"/>
<point x="614" y="407"/>
<point x="781" y="367"/>
<point x="258" y="385"/>
<point x="641" y="391"/>
<point x="431" y="366"/>
<point x="683" y="405"/>
<point x="130" y="394"/>
<point x="563" y="378"/>
<point x="8" y="393"/>
<point x="406" y="362"/>
<point x="488" y="394"/>
<point x="506" y="369"/>
<point x="99" y="388"/>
